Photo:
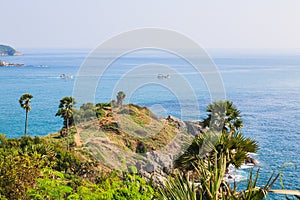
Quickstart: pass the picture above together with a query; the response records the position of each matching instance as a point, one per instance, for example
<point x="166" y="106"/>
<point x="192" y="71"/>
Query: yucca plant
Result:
<point x="206" y="182"/>
<point x="180" y="187"/>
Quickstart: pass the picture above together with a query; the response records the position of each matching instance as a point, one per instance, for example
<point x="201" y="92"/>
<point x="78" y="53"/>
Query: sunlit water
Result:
<point x="265" y="87"/>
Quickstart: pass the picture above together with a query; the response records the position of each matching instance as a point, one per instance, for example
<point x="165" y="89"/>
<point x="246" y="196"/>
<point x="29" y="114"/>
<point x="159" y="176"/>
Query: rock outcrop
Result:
<point x="158" y="164"/>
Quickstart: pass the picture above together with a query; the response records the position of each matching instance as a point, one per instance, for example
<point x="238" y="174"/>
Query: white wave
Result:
<point x="41" y="66"/>
<point x="247" y="166"/>
<point x="237" y="176"/>
<point x="252" y="154"/>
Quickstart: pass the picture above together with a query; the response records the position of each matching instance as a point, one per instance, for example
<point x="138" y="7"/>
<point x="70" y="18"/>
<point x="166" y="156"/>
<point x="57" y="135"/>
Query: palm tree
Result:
<point x="65" y="111"/>
<point x="24" y="101"/>
<point x="120" y="97"/>
<point x="223" y="115"/>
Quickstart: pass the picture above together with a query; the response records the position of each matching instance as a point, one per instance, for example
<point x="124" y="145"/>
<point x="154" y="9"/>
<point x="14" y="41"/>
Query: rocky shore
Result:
<point x="7" y="64"/>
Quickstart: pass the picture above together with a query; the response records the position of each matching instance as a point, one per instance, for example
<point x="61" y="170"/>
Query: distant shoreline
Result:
<point x="7" y="64"/>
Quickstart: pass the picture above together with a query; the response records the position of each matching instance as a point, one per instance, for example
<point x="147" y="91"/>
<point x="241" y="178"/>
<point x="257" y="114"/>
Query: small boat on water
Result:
<point x="161" y="76"/>
<point x="64" y="76"/>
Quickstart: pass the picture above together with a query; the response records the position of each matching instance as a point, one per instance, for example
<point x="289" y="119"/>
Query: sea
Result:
<point x="263" y="84"/>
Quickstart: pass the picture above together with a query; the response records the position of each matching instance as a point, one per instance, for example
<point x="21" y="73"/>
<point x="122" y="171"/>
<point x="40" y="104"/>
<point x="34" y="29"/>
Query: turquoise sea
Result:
<point x="264" y="85"/>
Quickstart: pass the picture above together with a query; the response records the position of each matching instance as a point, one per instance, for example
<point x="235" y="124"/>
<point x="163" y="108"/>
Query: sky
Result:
<point x="211" y="23"/>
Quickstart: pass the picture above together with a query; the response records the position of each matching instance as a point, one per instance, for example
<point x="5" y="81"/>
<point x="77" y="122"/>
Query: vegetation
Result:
<point x="223" y="115"/>
<point x="7" y="51"/>
<point x="208" y="183"/>
<point x="44" y="168"/>
<point x="65" y="110"/>
<point x="120" y="98"/>
<point x="229" y="142"/>
<point x="24" y="101"/>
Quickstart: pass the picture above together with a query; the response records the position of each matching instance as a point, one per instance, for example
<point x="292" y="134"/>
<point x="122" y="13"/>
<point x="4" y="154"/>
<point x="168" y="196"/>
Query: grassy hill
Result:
<point x="120" y="137"/>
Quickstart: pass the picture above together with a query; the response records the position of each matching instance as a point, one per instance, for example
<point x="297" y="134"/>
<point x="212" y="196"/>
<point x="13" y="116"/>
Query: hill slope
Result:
<point x="134" y="136"/>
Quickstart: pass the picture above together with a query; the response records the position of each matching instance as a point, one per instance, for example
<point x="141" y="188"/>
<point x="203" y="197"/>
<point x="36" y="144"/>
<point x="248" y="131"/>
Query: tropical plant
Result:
<point x="223" y="115"/>
<point x="101" y="108"/>
<point x="207" y="183"/>
<point x="223" y="135"/>
<point x="24" y="101"/>
<point x="120" y="98"/>
<point x="65" y="111"/>
<point x="235" y="146"/>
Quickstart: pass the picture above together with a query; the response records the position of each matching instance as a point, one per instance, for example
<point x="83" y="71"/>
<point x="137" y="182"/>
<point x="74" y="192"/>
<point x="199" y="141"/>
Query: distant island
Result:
<point x="8" y="51"/>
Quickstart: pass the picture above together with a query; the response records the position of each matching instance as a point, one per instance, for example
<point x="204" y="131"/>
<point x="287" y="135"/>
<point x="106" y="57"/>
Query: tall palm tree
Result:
<point x="120" y="97"/>
<point x="24" y="101"/>
<point x="223" y="115"/>
<point x="65" y="111"/>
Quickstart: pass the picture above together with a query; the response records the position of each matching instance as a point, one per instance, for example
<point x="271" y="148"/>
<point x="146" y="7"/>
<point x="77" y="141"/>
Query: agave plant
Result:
<point x="207" y="183"/>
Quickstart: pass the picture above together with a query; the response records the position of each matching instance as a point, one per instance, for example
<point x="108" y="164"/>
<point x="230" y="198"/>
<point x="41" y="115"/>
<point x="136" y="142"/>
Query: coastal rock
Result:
<point x="158" y="164"/>
<point x="194" y="127"/>
<point x="7" y="64"/>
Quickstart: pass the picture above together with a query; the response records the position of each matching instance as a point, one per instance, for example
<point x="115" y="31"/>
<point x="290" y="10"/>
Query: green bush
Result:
<point x="112" y="127"/>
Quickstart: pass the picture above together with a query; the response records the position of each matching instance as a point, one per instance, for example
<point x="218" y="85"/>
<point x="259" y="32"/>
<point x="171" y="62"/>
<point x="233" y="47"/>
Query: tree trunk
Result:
<point x="26" y="123"/>
<point x="68" y="133"/>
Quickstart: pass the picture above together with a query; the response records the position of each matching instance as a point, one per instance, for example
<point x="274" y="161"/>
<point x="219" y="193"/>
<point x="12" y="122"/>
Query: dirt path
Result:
<point x="77" y="140"/>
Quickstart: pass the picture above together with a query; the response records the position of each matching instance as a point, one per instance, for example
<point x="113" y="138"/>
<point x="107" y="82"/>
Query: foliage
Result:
<point x="22" y="161"/>
<point x="55" y="186"/>
<point x="52" y="186"/>
<point x="120" y="98"/>
<point x="141" y="147"/>
<point x="24" y="101"/>
<point x="65" y="111"/>
<point x="208" y="183"/>
<point x="228" y="141"/>
<point x="111" y="127"/>
<point x="7" y="50"/>
<point x="86" y="113"/>
<point x="42" y="168"/>
<point x="223" y="115"/>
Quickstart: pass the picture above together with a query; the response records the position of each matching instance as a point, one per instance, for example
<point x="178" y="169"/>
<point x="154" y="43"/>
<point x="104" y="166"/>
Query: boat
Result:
<point x="161" y="76"/>
<point x="64" y="76"/>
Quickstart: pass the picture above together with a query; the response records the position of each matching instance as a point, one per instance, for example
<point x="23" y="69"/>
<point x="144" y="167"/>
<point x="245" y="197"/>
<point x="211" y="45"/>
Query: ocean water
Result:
<point x="265" y="86"/>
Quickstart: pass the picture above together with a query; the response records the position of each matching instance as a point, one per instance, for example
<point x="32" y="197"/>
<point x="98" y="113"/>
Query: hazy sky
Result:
<point x="212" y="23"/>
